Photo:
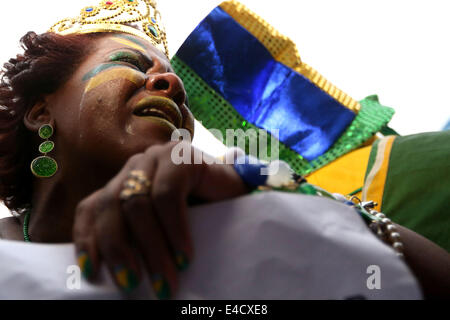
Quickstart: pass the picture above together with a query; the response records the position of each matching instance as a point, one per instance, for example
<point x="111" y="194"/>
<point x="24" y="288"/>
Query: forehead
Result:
<point x="123" y="40"/>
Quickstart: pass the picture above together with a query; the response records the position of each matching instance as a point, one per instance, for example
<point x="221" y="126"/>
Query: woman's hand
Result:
<point x="118" y="227"/>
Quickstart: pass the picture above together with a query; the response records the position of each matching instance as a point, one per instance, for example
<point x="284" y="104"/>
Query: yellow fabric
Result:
<point x="345" y="174"/>
<point x="284" y="50"/>
<point x="376" y="178"/>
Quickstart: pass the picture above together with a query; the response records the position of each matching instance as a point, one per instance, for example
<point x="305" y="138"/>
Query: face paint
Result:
<point x="95" y="108"/>
<point x="116" y="73"/>
<point x="120" y="56"/>
<point x="131" y="58"/>
<point x="130" y="38"/>
<point x="132" y="44"/>
<point x="97" y="70"/>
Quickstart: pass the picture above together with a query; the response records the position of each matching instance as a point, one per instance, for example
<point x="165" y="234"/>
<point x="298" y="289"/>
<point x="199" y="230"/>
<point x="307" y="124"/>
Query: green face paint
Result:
<point x="128" y="57"/>
<point x="120" y="56"/>
<point x="98" y="69"/>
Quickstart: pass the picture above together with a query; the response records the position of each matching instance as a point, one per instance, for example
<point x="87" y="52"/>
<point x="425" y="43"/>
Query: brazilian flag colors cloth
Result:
<point x="240" y="73"/>
<point x="409" y="178"/>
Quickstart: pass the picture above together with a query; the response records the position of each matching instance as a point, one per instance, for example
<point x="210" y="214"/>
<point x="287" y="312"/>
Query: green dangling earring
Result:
<point x="44" y="166"/>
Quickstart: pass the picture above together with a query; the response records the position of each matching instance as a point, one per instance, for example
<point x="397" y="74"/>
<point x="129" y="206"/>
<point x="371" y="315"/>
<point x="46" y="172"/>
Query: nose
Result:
<point x="168" y="85"/>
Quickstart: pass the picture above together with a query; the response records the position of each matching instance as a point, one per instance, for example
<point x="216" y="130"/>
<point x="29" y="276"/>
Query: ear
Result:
<point x="37" y="116"/>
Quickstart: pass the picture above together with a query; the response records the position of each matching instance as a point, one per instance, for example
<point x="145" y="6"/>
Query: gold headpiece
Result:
<point x="136" y="17"/>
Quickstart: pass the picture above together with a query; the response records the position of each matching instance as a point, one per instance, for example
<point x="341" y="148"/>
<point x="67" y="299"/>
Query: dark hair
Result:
<point x="47" y="63"/>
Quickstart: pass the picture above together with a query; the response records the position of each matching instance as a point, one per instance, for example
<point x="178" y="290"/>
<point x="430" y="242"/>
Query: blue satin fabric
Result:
<point x="265" y="92"/>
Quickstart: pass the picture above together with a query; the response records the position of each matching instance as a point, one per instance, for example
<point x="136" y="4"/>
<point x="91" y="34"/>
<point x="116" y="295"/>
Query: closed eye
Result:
<point x="128" y="58"/>
<point x="132" y="62"/>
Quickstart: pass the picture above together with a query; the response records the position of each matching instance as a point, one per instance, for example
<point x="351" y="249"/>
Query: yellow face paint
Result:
<point x="115" y="74"/>
<point x="130" y="44"/>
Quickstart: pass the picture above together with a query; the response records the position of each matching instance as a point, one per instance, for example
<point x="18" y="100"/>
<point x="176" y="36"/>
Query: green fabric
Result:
<point x="417" y="188"/>
<point x="388" y="131"/>
<point x="370" y="119"/>
<point x="215" y="112"/>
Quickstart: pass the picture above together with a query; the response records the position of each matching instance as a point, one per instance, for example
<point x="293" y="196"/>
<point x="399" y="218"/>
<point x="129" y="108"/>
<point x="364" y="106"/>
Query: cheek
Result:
<point x="102" y="110"/>
<point x="102" y="106"/>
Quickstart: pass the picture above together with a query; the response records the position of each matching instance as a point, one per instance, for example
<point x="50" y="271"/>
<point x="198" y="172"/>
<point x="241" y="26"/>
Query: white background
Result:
<point x="396" y="49"/>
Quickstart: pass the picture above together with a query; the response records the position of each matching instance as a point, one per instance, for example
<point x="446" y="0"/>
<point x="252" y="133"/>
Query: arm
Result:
<point x="429" y="263"/>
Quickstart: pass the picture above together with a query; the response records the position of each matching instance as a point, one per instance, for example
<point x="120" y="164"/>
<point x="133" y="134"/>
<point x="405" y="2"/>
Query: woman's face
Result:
<point x="122" y="99"/>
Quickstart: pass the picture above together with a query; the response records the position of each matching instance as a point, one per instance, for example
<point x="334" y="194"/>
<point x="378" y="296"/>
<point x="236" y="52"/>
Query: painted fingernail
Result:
<point x="181" y="261"/>
<point x="126" y="278"/>
<point x="85" y="264"/>
<point x="161" y="287"/>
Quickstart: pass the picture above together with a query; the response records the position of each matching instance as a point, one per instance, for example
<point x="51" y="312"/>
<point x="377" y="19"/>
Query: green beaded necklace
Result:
<point x="26" y="221"/>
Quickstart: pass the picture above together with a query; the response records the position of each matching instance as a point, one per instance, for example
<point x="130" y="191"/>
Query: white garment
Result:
<point x="266" y="246"/>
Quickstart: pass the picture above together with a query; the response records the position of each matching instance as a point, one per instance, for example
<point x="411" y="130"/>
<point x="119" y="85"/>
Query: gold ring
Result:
<point x="137" y="184"/>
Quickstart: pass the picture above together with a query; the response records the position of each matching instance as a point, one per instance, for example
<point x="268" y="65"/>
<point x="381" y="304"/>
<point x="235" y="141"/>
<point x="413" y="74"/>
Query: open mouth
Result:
<point x="159" y="107"/>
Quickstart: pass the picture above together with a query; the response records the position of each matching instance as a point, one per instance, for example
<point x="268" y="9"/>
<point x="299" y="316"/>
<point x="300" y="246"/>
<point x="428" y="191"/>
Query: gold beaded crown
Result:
<point x="136" y="17"/>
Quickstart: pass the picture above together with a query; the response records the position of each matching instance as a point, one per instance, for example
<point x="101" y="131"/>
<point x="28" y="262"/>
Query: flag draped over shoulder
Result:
<point x="240" y="73"/>
<point x="409" y="178"/>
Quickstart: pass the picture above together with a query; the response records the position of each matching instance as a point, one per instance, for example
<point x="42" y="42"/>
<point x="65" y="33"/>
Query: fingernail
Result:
<point x="181" y="261"/>
<point x="85" y="264"/>
<point x="126" y="278"/>
<point x="161" y="287"/>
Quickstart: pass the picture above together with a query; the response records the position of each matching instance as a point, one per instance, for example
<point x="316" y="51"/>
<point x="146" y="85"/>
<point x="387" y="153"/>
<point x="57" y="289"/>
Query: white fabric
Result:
<point x="264" y="246"/>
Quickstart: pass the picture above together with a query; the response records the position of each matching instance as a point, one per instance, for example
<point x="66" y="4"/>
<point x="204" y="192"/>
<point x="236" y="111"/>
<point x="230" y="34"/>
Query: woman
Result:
<point x="113" y="102"/>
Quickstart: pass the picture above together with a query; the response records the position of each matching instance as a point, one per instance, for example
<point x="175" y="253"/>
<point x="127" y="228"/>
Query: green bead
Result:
<point x="46" y="146"/>
<point x="44" y="167"/>
<point x="46" y="131"/>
